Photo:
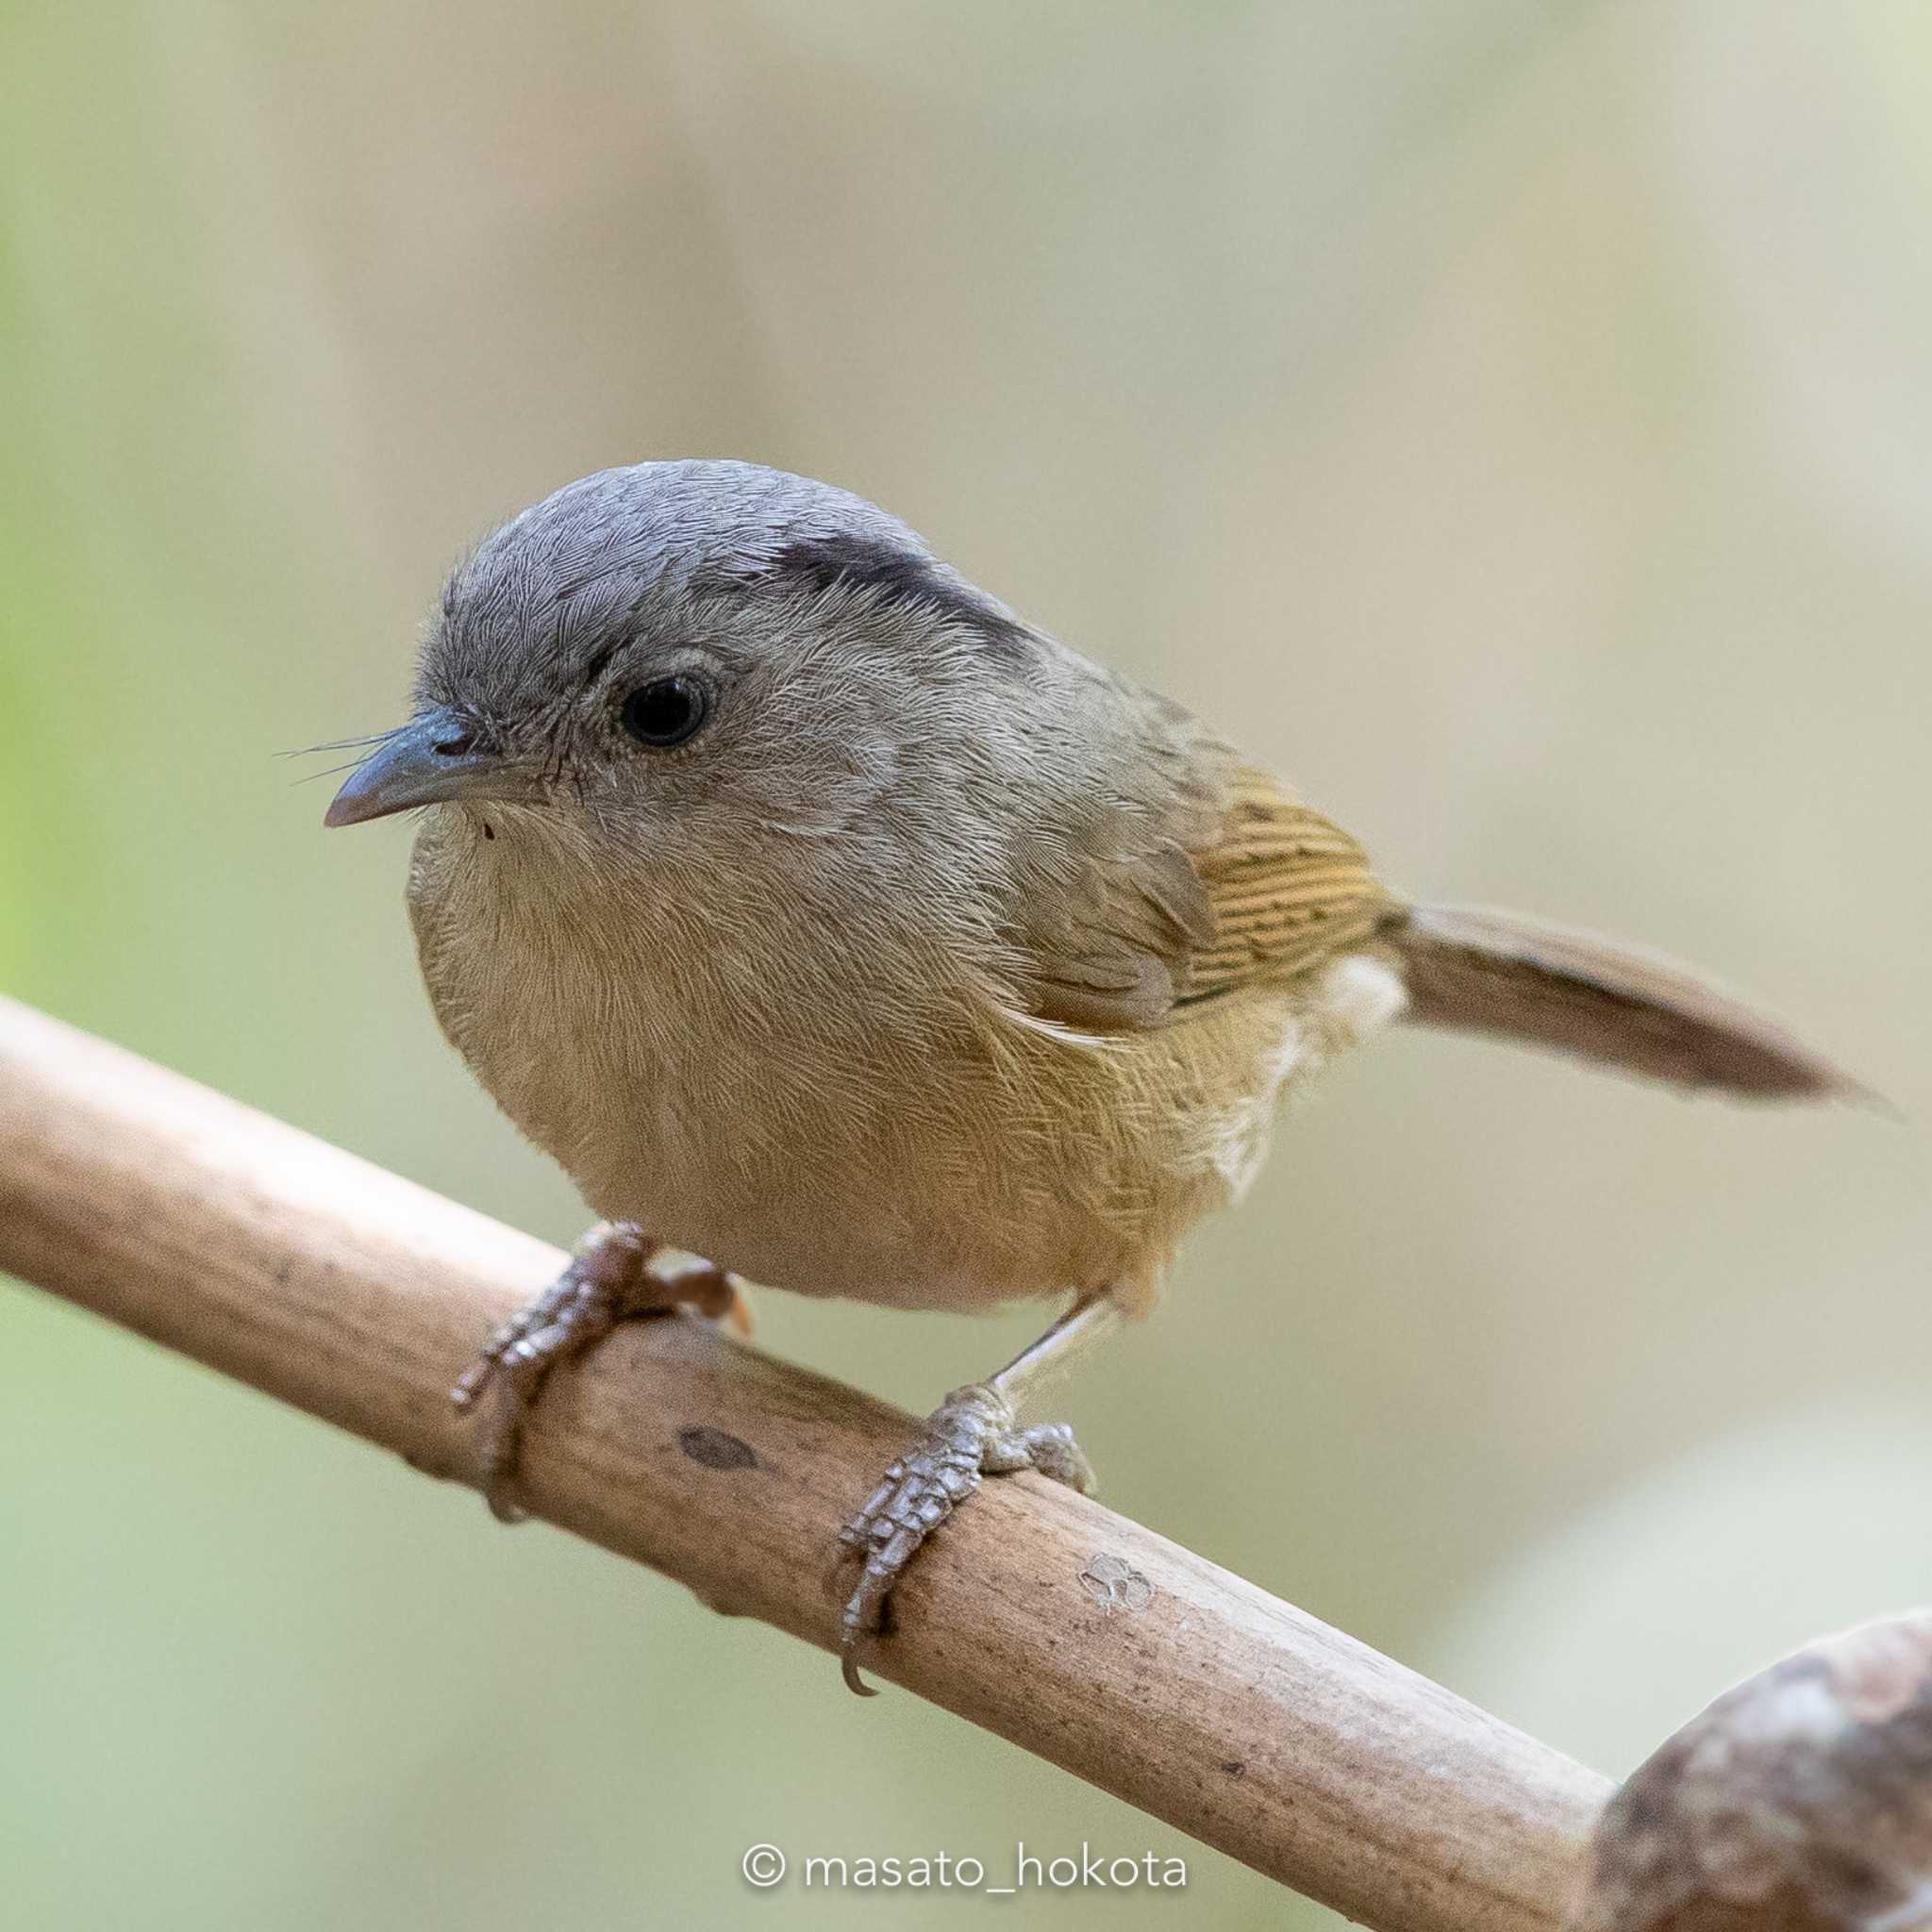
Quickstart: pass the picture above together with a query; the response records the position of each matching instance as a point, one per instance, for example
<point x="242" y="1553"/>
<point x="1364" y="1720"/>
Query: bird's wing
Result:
<point x="1173" y="903"/>
<point x="1289" y="890"/>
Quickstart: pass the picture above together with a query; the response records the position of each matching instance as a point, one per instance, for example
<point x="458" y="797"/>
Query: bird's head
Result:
<point x="680" y="654"/>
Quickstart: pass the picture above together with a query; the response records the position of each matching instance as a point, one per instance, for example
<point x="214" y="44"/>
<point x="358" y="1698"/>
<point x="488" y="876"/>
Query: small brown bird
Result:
<point x="824" y="919"/>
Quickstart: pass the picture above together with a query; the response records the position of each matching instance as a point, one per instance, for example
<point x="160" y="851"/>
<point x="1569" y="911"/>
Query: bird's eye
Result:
<point x="666" y="711"/>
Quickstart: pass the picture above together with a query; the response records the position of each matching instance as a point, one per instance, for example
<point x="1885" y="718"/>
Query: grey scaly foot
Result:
<point x="608" y="1280"/>
<point x="972" y="1433"/>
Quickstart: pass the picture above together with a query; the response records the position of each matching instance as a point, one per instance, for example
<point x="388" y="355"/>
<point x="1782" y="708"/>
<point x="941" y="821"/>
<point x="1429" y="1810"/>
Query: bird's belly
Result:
<point x="954" y="1158"/>
<point x="927" y="1187"/>
<point x="934" y="1222"/>
<point x="835" y="1178"/>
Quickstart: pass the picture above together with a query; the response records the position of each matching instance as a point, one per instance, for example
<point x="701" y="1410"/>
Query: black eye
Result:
<point x="666" y="711"/>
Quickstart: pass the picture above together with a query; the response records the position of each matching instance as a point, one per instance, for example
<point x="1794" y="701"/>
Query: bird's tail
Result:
<point x="1477" y="970"/>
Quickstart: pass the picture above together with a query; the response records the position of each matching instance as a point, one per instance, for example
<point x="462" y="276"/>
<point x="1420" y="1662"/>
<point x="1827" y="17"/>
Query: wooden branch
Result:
<point x="1801" y="1801"/>
<point x="1068" y="1629"/>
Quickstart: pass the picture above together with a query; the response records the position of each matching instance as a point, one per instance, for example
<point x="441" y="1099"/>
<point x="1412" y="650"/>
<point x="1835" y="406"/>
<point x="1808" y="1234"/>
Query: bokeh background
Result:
<point x="1513" y="418"/>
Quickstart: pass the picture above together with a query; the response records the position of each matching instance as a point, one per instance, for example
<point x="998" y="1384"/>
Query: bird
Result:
<point x="834" y="927"/>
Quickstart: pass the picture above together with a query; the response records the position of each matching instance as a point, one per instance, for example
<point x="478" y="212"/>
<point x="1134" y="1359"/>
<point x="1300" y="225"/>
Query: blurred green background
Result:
<point x="1512" y="418"/>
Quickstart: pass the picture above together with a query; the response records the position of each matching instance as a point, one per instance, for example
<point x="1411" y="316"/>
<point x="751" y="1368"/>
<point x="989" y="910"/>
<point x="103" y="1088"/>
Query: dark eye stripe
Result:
<point x="598" y="664"/>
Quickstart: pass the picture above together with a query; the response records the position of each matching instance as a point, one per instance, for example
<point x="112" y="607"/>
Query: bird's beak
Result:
<point x="433" y="760"/>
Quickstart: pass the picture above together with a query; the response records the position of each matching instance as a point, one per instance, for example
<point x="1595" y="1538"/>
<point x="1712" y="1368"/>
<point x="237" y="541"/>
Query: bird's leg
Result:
<point x="975" y="1431"/>
<point x="609" y="1279"/>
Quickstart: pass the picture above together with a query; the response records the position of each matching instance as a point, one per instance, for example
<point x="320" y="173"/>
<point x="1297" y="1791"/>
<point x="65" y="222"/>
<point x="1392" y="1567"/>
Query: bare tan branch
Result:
<point x="1068" y="1629"/>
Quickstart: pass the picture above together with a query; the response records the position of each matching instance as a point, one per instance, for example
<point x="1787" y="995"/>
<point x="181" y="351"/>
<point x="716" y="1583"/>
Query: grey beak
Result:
<point x="432" y="760"/>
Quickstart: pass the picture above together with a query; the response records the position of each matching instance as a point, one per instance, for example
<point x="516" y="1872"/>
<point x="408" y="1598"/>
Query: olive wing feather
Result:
<point x="1161" y="908"/>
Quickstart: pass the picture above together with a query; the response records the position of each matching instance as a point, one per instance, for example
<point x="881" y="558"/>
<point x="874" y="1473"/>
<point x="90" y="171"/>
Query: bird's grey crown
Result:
<point x="670" y="521"/>
<point x="557" y="582"/>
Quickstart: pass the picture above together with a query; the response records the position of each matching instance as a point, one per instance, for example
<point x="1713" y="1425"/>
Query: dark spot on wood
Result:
<point x="1234" y="1767"/>
<point x="715" y="1449"/>
<point x="487" y="832"/>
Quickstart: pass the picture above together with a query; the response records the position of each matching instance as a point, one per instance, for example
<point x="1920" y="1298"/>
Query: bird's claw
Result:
<point x="972" y="1433"/>
<point x="608" y="1279"/>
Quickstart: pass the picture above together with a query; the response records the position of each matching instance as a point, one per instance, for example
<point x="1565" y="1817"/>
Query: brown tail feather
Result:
<point x="1483" y="972"/>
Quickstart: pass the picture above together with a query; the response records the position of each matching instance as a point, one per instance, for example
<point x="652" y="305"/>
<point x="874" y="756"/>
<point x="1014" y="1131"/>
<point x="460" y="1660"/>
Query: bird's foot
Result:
<point x="973" y="1432"/>
<point x="608" y="1280"/>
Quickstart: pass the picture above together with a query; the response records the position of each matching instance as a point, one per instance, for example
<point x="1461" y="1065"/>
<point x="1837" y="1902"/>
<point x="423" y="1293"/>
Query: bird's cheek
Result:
<point x="818" y="796"/>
